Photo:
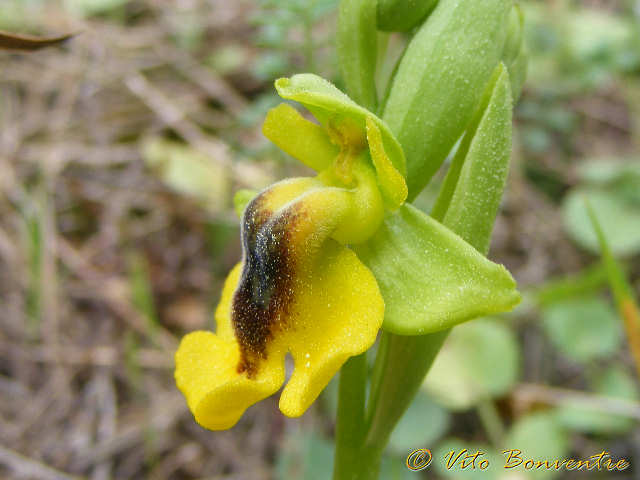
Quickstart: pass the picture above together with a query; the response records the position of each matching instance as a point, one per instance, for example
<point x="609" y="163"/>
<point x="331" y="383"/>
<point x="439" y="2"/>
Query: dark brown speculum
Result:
<point x="265" y="290"/>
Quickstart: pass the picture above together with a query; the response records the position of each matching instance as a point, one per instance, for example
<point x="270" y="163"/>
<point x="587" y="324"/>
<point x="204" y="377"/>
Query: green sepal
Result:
<point x="338" y="113"/>
<point x="472" y="190"/>
<point x="430" y="278"/>
<point x="357" y="49"/>
<point x="402" y="15"/>
<point x="304" y="140"/>
<point x="440" y="80"/>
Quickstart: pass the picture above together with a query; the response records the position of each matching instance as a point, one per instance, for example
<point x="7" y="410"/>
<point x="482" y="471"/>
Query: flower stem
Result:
<point x="401" y="365"/>
<point x="350" y="421"/>
<point x="490" y="419"/>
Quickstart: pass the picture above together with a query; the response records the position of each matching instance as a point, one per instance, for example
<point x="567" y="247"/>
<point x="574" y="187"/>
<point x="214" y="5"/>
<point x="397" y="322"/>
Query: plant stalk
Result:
<point x="350" y="421"/>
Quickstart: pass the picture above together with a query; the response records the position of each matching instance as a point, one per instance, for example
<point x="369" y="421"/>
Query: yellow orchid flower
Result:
<point x="301" y="288"/>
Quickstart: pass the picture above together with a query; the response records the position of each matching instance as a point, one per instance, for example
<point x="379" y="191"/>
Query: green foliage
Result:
<point x="189" y="172"/>
<point x="539" y="437"/>
<point x="285" y="28"/>
<point x="620" y="218"/>
<point x="402" y="15"/>
<point x="440" y="80"/>
<point x="414" y="299"/>
<point x="583" y="328"/>
<point x="480" y="360"/>
<point x="306" y="456"/>
<point x="575" y="47"/>
<point x="472" y="190"/>
<point x="423" y="424"/>
<point x="357" y="49"/>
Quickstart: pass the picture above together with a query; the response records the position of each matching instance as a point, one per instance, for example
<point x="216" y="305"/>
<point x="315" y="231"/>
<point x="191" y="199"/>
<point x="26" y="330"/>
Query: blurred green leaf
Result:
<point x="305" y="456"/>
<point x="228" y="58"/>
<point x="271" y="65"/>
<point x="422" y="424"/>
<point x="189" y="172"/>
<point x="540" y="437"/>
<point x="583" y="328"/>
<point x="614" y="382"/>
<point x="619" y="217"/>
<point x="394" y="468"/>
<point x="587" y="281"/>
<point x="480" y="359"/>
<point x="608" y="170"/>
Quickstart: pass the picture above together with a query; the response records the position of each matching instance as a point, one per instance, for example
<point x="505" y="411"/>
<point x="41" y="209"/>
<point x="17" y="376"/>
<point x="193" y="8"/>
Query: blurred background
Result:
<point x="119" y="155"/>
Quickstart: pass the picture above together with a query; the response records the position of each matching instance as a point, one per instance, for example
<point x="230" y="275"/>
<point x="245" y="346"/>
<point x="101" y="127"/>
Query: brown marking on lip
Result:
<point x="265" y="291"/>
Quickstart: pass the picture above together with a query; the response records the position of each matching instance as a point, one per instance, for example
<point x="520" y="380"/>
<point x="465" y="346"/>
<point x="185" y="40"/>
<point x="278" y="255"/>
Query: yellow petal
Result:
<point x="391" y="181"/>
<point x="303" y="140"/>
<point x="335" y="316"/>
<point x="296" y="291"/>
<point x="217" y="395"/>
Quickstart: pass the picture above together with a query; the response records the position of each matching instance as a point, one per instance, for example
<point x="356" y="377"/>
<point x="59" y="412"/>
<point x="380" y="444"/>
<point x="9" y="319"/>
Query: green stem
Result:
<point x="350" y="421"/>
<point x="401" y="366"/>
<point x="491" y="421"/>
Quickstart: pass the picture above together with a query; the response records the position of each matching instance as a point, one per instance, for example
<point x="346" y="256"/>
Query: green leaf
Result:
<point x="305" y="455"/>
<point x="422" y="424"/>
<point x="357" y="49"/>
<point x="540" y="437"/>
<point x="402" y="15"/>
<point x="473" y="188"/>
<point x="615" y="383"/>
<point x="622" y="291"/>
<point x="602" y="171"/>
<point x="585" y="282"/>
<point x="479" y="360"/>
<point x="514" y="40"/>
<point x="394" y="468"/>
<point x="441" y="79"/>
<point x="430" y="278"/>
<point x="583" y="328"/>
<point x="518" y="70"/>
<point x="334" y="109"/>
<point x="619" y="218"/>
